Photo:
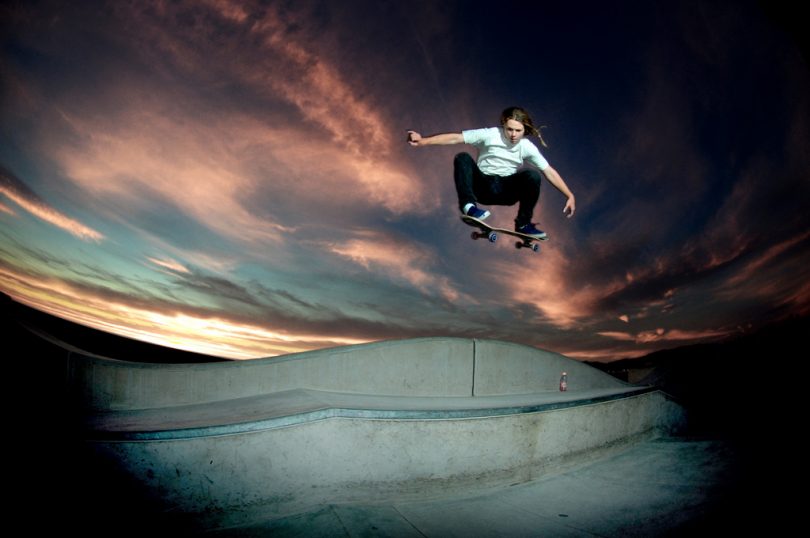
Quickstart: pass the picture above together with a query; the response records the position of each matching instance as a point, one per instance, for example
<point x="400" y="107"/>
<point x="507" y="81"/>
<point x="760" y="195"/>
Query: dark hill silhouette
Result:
<point x="728" y="386"/>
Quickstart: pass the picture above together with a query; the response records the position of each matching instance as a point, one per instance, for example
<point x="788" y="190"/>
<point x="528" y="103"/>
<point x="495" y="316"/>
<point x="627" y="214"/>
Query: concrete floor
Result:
<point x="662" y="487"/>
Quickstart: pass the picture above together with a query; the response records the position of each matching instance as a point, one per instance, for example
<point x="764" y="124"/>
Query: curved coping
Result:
<point x="330" y="412"/>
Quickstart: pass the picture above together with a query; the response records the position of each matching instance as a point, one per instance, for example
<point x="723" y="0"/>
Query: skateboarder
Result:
<point x="494" y="179"/>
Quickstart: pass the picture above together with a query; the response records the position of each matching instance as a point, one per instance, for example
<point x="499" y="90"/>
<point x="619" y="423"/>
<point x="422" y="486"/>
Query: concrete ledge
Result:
<point x="222" y="478"/>
<point x="219" y="444"/>
<point x="420" y="367"/>
<point x="300" y="406"/>
<point x="508" y="368"/>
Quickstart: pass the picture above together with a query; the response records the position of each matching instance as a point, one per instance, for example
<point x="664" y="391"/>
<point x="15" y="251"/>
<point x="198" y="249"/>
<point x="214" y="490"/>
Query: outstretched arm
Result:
<point x="556" y="179"/>
<point x="415" y="139"/>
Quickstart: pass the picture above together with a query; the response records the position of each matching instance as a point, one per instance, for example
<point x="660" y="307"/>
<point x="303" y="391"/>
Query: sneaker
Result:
<point x="529" y="229"/>
<point x="476" y="213"/>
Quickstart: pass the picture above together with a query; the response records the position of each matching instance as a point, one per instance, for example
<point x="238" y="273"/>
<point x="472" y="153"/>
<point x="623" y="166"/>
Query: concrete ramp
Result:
<point x="220" y="444"/>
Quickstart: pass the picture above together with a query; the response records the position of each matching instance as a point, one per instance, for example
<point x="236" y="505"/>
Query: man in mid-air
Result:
<point x="494" y="179"/>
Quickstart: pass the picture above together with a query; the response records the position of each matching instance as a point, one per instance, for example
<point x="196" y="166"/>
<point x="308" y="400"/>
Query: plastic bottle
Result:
<point x="564" y="382"/>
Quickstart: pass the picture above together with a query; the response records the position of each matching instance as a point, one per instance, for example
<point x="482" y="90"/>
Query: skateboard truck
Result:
<point x="491" y="236"/>
<point x="491" y="233"/>
<point x="527" y="244"/>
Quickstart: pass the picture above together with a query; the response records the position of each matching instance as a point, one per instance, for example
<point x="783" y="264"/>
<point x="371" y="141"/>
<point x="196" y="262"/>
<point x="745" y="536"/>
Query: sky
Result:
<point x="233" y="177"/>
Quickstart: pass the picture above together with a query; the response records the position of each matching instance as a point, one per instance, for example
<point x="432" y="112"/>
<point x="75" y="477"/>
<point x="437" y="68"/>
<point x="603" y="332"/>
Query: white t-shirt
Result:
<point x="499" y="157"/>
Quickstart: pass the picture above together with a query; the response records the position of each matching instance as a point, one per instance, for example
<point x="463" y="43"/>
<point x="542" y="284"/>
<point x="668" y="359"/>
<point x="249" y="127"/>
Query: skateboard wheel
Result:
<point x="518" y="245"/>
<point x="492" y="237"/>
<point x="536" y="247"/>
<point x="474" y="235"/>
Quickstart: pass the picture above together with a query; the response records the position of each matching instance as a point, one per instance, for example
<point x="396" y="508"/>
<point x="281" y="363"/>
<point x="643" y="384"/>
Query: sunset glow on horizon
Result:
<point x="232" y="178"/>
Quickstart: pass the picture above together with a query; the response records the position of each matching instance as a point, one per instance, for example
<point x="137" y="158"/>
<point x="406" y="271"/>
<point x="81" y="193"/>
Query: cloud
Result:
<point x="755" y="266"/>
<point x="16" y="191"/>
<point x="549" y="283"/>
<point x="6" y="209"/>
<point x="305" y="141"/>
<point x="244" y="166"/>
<point x="142" y="153"/>
<point x="327" y="100"/>
<point x="172" y="265"/>
<point x="399" y="258"/>
<point x="666" y="335"/>
<point x="152" y="320"/>
<point x="264" y="52"/>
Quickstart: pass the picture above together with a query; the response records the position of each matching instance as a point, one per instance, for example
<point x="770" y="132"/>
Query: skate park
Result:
<point x="422" y="437"/>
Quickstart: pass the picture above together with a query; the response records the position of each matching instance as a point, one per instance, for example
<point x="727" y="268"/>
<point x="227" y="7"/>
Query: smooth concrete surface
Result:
<point x="662" y="487"/>
<point x="217" y="445"/>
<point x="300" y="406"/>
<point x="61" y="479"/>
<point x="210" y="477"/>
<point x="509" y="368"/>
<point x="418" y="367"/>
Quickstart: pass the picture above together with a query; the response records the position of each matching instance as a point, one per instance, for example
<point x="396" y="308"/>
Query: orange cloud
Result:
<point x="234" y="11"/>
<point x="181" y="159"/>
<point x="606" y="354"/>
<point x="403" y="261"/>
<point x="542" y="281"/>
<point x="337" y="127"/>
<point x="325" y="98"/>
<point x="664" y="335"/>
<point x="760" y="263"/>
<point x="213" y="334"/>
<point x="675" y="335"/>
<point x="171" y="265"/>
<point x="617" y="335"/>
<point x="50" y="215"/>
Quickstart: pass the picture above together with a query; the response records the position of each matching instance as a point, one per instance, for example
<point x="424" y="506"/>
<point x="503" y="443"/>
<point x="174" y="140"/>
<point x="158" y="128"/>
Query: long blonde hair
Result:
<point x="519" y="114"/>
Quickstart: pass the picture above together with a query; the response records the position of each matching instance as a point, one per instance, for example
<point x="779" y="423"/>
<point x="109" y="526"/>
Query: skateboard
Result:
<point x="491" y="233"/>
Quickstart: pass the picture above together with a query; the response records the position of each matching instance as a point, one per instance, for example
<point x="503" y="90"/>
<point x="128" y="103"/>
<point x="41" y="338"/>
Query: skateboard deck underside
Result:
<point x="491" y="233"/>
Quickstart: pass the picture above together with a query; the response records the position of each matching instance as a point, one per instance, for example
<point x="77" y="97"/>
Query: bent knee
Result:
<point x="464" y="157"/>
<point x="532" y="176"/>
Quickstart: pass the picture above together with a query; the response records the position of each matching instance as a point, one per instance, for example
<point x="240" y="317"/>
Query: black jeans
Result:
<point x="473" y="186"/>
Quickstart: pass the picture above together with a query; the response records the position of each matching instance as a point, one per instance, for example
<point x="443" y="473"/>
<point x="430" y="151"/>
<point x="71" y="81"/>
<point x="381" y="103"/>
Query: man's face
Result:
<point x="513" y="130"/>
